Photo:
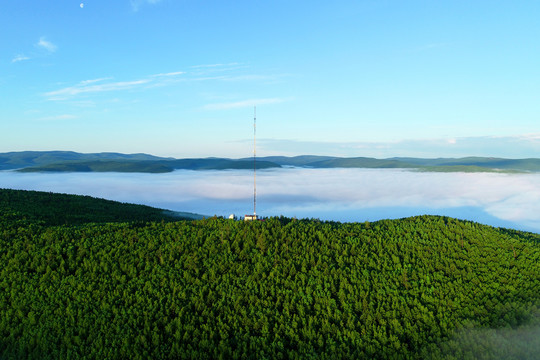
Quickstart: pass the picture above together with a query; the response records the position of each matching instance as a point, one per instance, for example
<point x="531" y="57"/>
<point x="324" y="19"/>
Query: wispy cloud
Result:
<point x="212" y="72"/>
<point x="206" y="66"/>
<point x="19" y="57"/>
<point x="220" y="71"/>
<point x="243" y="103"/>
<point x="58" y="117"/>
<point x="91" y="81"/>
<point x="228" y="72"/>
<point x="90" y="86"/>
<point x="105" y="85"/>
<point x="47" y="45"/>
<point x="175" y="73"/>
<point x="136" y="4"/>
<point x="251" y="77"/>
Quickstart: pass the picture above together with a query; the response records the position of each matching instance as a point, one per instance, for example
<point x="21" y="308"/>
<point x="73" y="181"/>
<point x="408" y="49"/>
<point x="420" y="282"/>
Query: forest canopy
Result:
<point x="57" y="209"/>
<point x="420" y="287"/>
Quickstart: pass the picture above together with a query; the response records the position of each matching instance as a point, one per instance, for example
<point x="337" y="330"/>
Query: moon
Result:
<point x="82" y="5"/>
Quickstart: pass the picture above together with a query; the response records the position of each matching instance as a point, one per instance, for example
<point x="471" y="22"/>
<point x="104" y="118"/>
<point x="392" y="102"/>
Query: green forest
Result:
<point x="59" y="209"/>
<point x="98" y="287"/>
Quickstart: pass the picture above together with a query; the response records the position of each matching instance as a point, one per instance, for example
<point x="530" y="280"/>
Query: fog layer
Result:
<point x="508" y="200"/>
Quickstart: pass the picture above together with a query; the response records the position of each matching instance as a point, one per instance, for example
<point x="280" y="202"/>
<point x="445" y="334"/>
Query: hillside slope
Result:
<point x="281" y="288"/>
<point x="57" y="209"/>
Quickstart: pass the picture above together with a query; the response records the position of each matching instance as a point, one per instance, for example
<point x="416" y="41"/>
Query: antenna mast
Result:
<point x="254" y="160"/>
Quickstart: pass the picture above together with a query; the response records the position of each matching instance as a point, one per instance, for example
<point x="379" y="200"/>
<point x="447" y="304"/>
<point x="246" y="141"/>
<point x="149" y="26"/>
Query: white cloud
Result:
<point x="101" y="85"/>
<point x="226" y="72"/>
<point x="250" y="77"/>
<point x="175" y="73"/>
<point x="47" y="45"/>
<point x="214" y="65"/>
<point x="58" y="117"/>
<point x="136" y="4"/>
<point x="89" y="86"/>
<point x="220" y="73"/>
<point x="243" y="104"/>
<point x="91" y="81"/>
<point x="19" y="58"/>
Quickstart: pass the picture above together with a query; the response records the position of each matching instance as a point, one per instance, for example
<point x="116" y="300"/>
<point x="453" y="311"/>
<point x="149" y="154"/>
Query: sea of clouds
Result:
<point x="498" y="199"/>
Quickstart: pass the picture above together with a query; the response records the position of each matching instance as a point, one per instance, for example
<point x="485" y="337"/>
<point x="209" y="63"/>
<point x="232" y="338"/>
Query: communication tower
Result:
<point x="254" y="216"/>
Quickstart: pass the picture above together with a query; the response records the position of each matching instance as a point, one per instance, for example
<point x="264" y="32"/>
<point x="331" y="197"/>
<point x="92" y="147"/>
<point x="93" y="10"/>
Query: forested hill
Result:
<point x="467" y="164"/>
<point x="62" y="161"/>
<point x="418" y="288"/>
<point x="67" y="161"/>
<point x="24" y="159"/>
<point x="58" y="209"/>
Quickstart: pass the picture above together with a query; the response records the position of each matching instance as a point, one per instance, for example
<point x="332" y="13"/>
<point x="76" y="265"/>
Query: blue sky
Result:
<point x="350" y="78"/>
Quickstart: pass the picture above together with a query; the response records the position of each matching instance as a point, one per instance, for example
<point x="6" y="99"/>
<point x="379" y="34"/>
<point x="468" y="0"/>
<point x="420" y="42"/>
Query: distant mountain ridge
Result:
<point x="473" y="164"/>
<point x="24" y="159"/>
<point x="68" y="161"/>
